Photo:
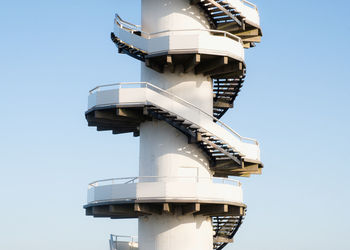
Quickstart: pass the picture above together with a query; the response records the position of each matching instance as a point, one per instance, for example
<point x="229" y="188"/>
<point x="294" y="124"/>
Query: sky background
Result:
<point x="295" y="101"/>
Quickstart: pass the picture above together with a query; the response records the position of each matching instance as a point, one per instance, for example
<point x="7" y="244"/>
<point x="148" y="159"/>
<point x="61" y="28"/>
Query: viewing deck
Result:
<point x="122" y="107"/>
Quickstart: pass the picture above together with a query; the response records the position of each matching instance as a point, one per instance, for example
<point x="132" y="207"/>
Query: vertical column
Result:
<point x="168" y="232"/>
<point x="164" y="151"/>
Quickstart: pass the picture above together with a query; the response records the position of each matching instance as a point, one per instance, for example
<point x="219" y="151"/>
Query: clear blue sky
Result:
<point x="295" y="101"/>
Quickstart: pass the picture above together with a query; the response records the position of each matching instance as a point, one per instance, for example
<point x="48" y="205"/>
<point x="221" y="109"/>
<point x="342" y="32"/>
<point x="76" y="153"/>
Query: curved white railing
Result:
<point x="134" y="29"/>
<point x="178" y="99"/>
<point x="127" y="24"/>
<point x="192" y="179"/>
<point x="132" y="241"/>
<point x="249" y="4"/>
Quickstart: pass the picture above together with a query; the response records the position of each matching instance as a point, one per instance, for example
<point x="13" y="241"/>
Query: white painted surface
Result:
<point x="182" y="42"/>
<point x="164" y="151"/>
<point x="195" y="89"/>
<point x="186" y="190"/>
<point x="169" y="232"/>
<point x="247" y="11"/>
<point x="159" y="15"/>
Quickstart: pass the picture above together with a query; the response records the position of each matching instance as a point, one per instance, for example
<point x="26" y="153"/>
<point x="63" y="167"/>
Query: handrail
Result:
<point x="132" y="240"/>
<point x="126" y="22"/>
<point x="137" y="28"/>
<point x="249" y="3"/>
<point x="140" y="179"/>
<point x="115" y="84"/>
<point x="146" y="84"/>
<point x="225" y="10"/>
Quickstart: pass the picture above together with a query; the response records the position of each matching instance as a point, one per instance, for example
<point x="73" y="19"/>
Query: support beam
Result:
<point x="213" y="210"/>
<point x="192" y="63"/>
<point x="121" y="209"/>
<point x="226" y="69"/>
<point x="129" y="113"/>
<point x="170" y="63"/>
<point x="191" y="208"/>
<point x="211" y="65"/>
<point x="221" y="104"/>
<point x="219" y="239"/>
<point x="248" y="33"/>
<point x="147" y="209"/>
<point x="255" y="39"/>
<point x="100" y="211"/>
<point x="168" y="208"/>
<point x="236" y="211"/>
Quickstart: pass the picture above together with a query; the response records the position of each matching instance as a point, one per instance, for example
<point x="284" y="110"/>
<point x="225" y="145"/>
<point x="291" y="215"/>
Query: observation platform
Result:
<point x="121" y="198"/>
<point x="122" y="107"/>
<point x="215" y="53"/>
<point x="142" y="196"/>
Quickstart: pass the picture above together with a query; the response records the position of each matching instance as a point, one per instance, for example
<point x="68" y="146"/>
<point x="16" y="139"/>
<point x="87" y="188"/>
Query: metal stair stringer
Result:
<point x="225" y="228"/>
<point x="225" y="90"/>
<point x="216" y="149"/>
<point x="225" y="93"/>
<point x="221" y="15"/>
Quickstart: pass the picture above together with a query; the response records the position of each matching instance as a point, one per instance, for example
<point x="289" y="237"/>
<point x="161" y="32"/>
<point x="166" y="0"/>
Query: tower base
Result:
<point x="174" y="232"/>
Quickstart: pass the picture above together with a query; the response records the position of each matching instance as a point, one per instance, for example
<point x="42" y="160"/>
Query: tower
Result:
<point x="192" y="68"/>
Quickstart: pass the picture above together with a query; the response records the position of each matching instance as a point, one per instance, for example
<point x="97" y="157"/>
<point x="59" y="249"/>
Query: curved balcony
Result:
<point x="140" y="196"/>
<point x="231" y="153"/>
<point x="165" y="189"/>
<point x="226" y="72"/>
<point x="212" y="44"/>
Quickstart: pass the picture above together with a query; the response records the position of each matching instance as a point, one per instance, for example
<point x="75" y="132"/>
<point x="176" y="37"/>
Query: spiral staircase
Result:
<point x="217" y="53"/>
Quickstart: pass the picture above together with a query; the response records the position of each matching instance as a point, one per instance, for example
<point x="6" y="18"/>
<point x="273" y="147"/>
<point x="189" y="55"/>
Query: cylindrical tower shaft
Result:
<point x="164" y="151"/>
<point x="162" y="15"/>
<point x="173" y="232"/>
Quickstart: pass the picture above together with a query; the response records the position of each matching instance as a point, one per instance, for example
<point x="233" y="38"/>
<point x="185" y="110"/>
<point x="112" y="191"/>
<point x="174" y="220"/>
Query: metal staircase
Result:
<point x="225" y="90"/>
<point x="216" y="149"/>
<point x="225" y="228"/>
<point x="221" y="15"/>
<point x="128" y="49"/>
<point x="219" y="12"/>
<point x="224" y="159"/>
<point x="225" y="93"/>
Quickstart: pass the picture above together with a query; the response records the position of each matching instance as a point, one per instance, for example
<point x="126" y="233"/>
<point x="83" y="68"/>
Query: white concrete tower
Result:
<point x="192" y="68"/>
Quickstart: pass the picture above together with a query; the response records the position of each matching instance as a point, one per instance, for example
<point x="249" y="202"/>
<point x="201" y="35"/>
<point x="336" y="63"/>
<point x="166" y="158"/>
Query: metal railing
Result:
<point x="130" y="240"/>
<point x="174" y="97"/>
<point x="127" y="24"/>
<point x="249" y="4"/>
<point x="186" y="179"/>
<point x="132" y="28"/>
